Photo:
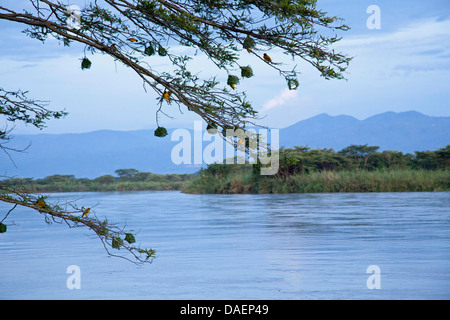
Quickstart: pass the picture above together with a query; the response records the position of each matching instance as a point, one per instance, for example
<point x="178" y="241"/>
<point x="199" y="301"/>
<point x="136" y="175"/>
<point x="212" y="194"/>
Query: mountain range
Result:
<point x="405" y="131"/>
<point x="102" y="152"/>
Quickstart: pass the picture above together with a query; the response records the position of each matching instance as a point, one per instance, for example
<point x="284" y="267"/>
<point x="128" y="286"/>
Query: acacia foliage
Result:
<point x="133" y="32"/>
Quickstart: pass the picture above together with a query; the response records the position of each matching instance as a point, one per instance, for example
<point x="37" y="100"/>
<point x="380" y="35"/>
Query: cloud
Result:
<point x="416" y="36"/>
<point x="284" y="96"/>
<point x="417" y="47"/>
<point x="431" y="52"/>
<point x="409" y="69"/>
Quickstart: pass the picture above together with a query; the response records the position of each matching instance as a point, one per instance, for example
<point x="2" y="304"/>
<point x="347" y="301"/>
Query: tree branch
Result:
<point x="110" y="235"/>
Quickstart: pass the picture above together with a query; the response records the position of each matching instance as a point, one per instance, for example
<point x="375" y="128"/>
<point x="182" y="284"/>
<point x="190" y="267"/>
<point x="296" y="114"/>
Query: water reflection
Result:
<point x="289" y="246"/>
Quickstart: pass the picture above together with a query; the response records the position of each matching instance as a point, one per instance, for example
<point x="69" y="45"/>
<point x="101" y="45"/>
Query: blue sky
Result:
<point x="403" y="66"/>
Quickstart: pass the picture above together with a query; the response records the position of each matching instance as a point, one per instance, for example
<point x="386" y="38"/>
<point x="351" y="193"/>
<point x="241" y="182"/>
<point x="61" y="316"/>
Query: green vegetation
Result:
<point x="302" y="170"/>
<point x="353" y="169"/>
<point x="326" y="181"/>
<point x="127" y="180"/>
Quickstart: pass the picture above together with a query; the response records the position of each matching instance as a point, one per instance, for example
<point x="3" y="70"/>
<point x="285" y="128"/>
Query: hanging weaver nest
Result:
<point x="211" y="128"/>
<point x="246" y="72"/>
<point x="86" y="63"/>
<point x="249" y="43"/>
<point x="232" y="80"/>
<point x="161" y="132"/>
<point x="129" y="237"/>
<point x="116" y="242"/>
<point x="149" y="50"/>
<point x="161" y="51"/>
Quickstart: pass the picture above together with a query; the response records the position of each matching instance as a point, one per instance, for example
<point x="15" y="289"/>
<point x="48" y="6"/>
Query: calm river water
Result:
<point x="288" y="246"/>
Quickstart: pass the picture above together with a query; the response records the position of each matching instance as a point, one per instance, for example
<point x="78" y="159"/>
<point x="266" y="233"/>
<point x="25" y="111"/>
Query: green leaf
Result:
<point x="150" y="253"/>
<point x="3" y="228"/>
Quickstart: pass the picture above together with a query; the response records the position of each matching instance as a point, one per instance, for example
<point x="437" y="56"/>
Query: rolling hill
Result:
<point x="102" y="152"/>
<point x="405" y="131"/>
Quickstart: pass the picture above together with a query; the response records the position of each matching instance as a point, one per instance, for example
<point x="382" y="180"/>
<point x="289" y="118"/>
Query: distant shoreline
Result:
<point x="68" y="183"/>
<point x="357" y="168"/>
<point x="245" y="183"/>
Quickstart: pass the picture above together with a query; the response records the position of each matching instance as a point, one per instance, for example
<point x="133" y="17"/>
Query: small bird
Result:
<point x="132" y="39"/>
<point x="166" y="95"/>
<point x="267" y="58"/>
<point x="233" y="86"/>
<point x="40" y="203"/>
<point x="249" y="50"/>
<point x="241" y="141"/>
<point x="85" y="213"/>
<point x="113" y="47"/>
